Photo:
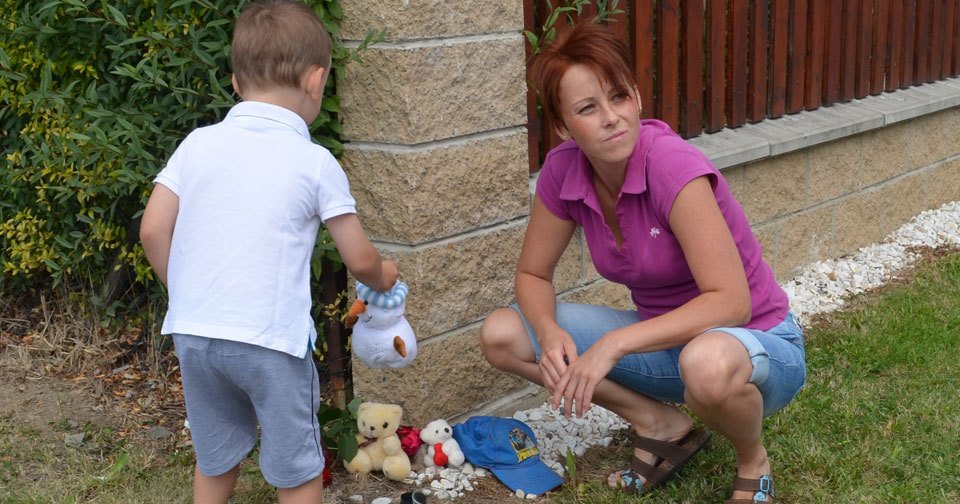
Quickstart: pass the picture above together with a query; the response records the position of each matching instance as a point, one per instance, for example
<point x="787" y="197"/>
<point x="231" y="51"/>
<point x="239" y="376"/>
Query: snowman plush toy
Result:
<point x="382" y="337"/>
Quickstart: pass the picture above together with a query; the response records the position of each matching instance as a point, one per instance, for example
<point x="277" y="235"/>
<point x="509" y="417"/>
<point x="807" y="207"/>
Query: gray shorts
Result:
<point x="231" y="387"/>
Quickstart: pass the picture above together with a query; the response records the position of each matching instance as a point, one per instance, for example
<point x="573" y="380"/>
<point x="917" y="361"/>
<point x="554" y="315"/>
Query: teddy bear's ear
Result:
<point x="363" y="408"/>
<point x="397" y="412"/>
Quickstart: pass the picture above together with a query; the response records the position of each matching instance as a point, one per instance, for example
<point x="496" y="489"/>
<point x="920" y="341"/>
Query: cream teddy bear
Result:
<point x="442" y="449"/>
<point x="382" y="337"/>
<point x="379" y="446"/>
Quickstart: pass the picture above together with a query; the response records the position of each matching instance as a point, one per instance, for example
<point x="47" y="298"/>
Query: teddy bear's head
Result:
<point x="376" y="420"/>
<point x="436" y="431"/>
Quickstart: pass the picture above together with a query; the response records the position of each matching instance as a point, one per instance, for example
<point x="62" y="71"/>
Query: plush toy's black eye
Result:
<point x="365" y="303"/>
<point x="385" y="425"/>
<point x="446" y="429"/>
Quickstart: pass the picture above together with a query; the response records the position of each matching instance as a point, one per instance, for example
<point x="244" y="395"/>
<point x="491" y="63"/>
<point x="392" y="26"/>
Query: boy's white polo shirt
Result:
<point x="253" y="191"/>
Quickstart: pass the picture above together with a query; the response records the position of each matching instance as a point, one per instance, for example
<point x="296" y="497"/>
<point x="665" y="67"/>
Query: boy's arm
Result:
<point x="156" y="228"/>
<point x="361" y="258"/>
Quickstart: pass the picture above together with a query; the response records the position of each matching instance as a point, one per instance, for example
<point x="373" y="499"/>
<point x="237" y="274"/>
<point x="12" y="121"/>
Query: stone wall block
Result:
<point x="888" y="152"/>
<point x="834" y="170"/>
<point x="600" y="293"/>
<point x="448" y="377"/>
<point x="418" y="19"/>
<point x="856" y="222"/>
<point x="567" y="274"/>
<point x="425" y="93"/>
<point x="773" y="187"/>
<point x="768" y="235"/>
<point x="907" y="146"/>
<point x="456" y="283"/>
<point x="900" y="200"/>
<point x="735" y="178"/>
<point x="943" y="183"/>
<point x="588" y="272"/>
<point x="804" y="238"/>
<point x="935" y="137"/>
<point x="412" y="196"/>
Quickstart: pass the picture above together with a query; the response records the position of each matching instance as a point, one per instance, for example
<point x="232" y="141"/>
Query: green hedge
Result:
<point x="94" y="96"/>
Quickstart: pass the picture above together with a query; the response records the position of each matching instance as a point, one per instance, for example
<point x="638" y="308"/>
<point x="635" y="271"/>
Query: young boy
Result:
<point x="229" y="229"/>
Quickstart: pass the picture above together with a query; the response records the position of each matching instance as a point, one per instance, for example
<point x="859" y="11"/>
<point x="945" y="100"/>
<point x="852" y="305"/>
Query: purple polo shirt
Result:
<point x="651" y="263"/>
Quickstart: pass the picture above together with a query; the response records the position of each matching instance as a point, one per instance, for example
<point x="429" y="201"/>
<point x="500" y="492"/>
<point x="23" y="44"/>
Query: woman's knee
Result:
<point x="713" y="366"/>
<point x="499" y="330"/>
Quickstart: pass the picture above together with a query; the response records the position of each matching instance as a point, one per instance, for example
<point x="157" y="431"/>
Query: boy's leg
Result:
<point x="223" y="425"/>
<point x="291" y="455"/>
<point x="310" y="492"/>
<point x="214" y="489"/>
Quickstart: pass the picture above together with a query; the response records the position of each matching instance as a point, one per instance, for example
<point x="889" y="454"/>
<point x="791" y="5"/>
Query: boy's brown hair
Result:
<point x="275" y="42"/>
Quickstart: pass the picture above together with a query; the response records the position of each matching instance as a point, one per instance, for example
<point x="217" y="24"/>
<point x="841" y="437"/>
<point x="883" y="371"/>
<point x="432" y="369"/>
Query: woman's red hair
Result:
<point x="587" y="44"/>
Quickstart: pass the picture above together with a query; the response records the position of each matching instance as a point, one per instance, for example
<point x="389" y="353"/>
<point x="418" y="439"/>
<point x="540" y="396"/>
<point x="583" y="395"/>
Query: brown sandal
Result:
<point x="763" y="488"/>
<point x="671" y="457"/>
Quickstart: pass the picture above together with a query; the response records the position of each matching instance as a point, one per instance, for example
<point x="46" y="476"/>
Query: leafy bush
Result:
<point x="94" y="97"/>
<point x="340" y="428"/>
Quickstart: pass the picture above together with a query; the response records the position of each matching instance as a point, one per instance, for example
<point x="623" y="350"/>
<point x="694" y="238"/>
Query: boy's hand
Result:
<point x="389" y="273"/>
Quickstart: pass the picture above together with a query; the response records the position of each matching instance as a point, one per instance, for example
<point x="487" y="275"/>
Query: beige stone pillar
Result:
<point x="436" y="156"/>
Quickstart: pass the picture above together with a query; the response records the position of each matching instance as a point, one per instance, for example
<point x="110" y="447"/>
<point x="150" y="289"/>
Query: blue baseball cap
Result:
<point x="508" y="448"/>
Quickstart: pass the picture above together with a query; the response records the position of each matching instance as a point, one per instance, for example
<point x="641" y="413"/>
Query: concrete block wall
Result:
<point x="828" y="200"/>
<point x="436" y="156"/>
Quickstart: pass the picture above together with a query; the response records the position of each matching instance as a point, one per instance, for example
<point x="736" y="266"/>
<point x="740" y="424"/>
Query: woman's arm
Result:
<point x="546" y="239"/>
<point x="717" y="268"/>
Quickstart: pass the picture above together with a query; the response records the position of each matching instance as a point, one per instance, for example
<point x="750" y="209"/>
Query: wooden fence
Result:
<point x="702" y="65"/>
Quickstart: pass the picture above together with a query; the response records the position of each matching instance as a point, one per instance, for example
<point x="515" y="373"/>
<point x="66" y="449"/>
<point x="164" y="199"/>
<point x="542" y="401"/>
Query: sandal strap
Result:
<point x="763" y="487"/>
<point x="671" y="452"/>
<point x="647" y="471"/>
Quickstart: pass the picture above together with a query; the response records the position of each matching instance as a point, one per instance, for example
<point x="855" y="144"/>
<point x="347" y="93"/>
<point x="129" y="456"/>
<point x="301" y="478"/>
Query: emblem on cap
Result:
<point x="522" y="444"/>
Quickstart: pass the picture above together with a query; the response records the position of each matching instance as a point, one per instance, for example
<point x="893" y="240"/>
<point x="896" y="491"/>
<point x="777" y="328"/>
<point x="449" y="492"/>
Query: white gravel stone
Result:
<point x="381" y="500"/>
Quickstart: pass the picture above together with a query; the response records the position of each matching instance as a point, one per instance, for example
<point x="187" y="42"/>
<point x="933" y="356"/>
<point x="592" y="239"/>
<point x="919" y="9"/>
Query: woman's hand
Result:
<point x="581" y="378"/>
<point x="556" y="351"/>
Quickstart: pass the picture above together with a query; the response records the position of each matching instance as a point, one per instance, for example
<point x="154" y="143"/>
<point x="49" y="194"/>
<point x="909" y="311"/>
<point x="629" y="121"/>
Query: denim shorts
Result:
<point x="231" y="387"/>
<point x="777" y="354"/>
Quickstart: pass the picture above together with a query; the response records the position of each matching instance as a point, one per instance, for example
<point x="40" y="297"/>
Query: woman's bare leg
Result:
<point x="716" y="371"/>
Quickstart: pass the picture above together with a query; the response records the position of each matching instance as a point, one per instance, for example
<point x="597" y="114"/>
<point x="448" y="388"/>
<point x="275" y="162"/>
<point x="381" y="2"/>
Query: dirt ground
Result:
<point x="45" y="401"/>
<point x="41" y="390"/>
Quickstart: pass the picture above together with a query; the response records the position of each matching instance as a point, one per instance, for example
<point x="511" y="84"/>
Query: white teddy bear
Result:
<point x="442" y="449"/>
<point x="382" y="337"/>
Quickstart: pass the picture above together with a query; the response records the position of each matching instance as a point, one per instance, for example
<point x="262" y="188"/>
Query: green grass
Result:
<point x="879" y="418"/>
<point x="37" y="467"/>
<point x="878" y="422"/>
